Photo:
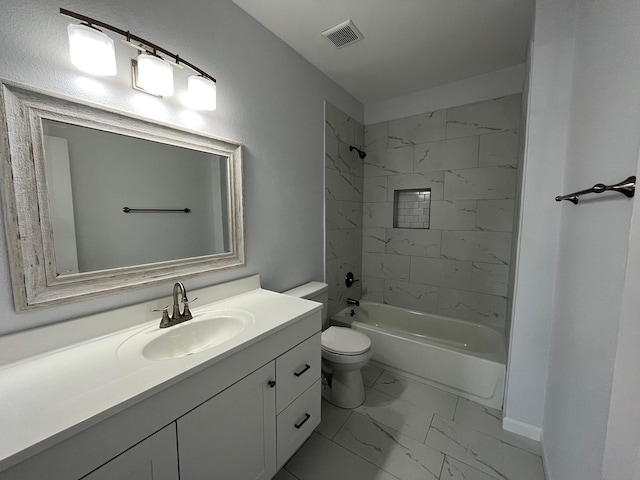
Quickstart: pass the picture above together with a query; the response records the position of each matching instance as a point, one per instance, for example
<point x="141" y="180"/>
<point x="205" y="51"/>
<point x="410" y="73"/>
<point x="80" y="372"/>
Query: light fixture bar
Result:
<point x="131" y="37"/>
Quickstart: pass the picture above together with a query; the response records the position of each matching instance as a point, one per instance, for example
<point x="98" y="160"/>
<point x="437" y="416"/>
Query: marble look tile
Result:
<point x="432" y="180"/>
<point x="441" y="272"/>
<point x="284" y="475"/>
<point x="385" y="266"/>
<point x="416" y="129"/>
<point x="374" y="240"/>
<point x="487" y="247"/>
<point x="370" y="374"/>
<point x="403" y="457"/>
<point x="476" y="307"/>
<point x="483" y="452"/>
<point x="376" y="137"/>
<point x="455" y="470"/>
<point x="453" y="215"/>
<point x="491" y="116"/>
<point x="417" y="242"/>
<point x="490" y="278"/>
<point x="451" y="154"/>
<point x="498" y="149"/>
<point x="358" y="132"/>
<point x="375" y="189"/>
<point x="338" y="124"/>
<point x="332" y="419"/>
<point x="321" y="459"/>
<point x="350" y="161"/>
<point x="377" y="214"/>
<point x="339" y="186"/>
<point x="341" y="243"/>
<point x="331" y="152"/>
<point x="332" y="219"/>
<point x="346" y="215"/>
<point x="423" y="298"/>
<point x="429" y="399"/>
<point x="395" y="413"/>
<point x="372" y="288"/>
<point x="495" y="215"/>
<point x="489" y="421"/>
<point x="480" y="183"/>
<point x="391" y="161"/>
<point x="358" y="188"/>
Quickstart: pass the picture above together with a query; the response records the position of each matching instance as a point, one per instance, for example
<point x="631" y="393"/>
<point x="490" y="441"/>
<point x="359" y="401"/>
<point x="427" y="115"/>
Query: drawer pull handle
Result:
<point x="306" y="367"/>
<point x="306" y="417"/>
<point x="271" y="383"/>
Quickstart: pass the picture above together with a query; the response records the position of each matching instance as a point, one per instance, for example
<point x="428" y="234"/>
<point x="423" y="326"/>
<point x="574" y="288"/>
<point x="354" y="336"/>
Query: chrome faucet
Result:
<point x="177" y="317"/>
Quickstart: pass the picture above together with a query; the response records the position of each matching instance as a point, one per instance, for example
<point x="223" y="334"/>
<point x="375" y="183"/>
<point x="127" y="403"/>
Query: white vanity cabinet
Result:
<point x="233" y="435"/>
<point x="155" y="458"/>
<point x="239" y="418"/>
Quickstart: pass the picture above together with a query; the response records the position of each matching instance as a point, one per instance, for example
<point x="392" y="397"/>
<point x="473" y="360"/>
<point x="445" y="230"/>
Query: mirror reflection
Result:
<point x="94" y="175"/>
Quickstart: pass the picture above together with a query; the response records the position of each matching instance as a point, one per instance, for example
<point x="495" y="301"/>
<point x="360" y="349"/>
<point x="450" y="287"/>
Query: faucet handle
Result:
<point x="165" y="321"/>
<point x="186" y="312"/>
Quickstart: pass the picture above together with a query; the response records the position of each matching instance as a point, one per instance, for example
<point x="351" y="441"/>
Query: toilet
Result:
<point x="344" y="352"/>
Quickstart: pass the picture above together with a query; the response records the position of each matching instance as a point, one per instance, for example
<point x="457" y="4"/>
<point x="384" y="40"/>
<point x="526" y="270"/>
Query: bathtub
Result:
<point x="455" y="355"/>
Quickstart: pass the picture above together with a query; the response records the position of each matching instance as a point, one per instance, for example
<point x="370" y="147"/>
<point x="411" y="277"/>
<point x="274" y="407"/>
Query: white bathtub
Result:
<point x="455" y="355"/>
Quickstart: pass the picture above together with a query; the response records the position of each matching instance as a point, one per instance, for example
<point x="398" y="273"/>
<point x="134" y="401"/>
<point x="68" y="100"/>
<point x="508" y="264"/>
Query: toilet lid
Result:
<point x="345" y="341"/>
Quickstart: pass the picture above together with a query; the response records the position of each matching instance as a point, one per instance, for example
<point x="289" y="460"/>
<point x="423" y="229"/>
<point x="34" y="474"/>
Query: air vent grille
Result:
<point x="344" y="34"/>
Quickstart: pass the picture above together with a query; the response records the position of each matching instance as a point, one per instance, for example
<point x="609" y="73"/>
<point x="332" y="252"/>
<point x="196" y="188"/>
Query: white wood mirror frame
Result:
<point x="26" y="208"/>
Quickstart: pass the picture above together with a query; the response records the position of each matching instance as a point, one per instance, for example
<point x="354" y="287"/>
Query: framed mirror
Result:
<point x="96" y="201"/>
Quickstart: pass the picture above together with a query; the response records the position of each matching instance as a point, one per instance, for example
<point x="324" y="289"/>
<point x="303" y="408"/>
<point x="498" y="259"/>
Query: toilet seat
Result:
<point x="345" y="341"/>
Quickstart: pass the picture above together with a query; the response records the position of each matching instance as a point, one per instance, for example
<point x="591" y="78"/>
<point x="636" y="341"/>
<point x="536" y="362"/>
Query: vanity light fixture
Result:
<point x="153" y="70"/>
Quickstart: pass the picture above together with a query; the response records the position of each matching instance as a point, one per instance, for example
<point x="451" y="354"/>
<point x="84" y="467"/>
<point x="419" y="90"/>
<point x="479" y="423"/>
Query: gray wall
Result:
<point x="343" y="205"/>
<point x="459" y="267"/>
<point x="269" y="98"/>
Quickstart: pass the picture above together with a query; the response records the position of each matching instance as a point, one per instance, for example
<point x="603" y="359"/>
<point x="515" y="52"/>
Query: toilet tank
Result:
<point x="316" y="291"/>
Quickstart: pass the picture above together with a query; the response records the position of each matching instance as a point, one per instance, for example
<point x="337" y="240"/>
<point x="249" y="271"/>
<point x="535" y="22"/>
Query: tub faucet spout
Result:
<point x="351" y="301"/>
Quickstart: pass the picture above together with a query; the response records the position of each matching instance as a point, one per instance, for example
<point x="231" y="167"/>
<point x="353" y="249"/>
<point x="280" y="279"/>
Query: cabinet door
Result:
<point x="233" y="435"/>
<point x="155" y="458"/>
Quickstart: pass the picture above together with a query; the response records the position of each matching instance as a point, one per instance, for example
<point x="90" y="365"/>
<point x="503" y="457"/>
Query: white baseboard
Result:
<point x="547" y="471"/>
<point x="521" y="428"/>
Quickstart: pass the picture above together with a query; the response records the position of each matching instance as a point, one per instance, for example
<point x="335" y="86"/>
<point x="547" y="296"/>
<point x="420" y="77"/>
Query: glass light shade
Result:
<point x="91" y="50"/>
<point x="201" y="93"/>
<point x="155" y="75"/>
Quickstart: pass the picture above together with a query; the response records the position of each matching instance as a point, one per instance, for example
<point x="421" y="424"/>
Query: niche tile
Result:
<point x="446" y="155"/>
<point x="412" y="208"/>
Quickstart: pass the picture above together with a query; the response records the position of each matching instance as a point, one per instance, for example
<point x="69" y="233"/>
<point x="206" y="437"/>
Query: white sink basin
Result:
<point x="204" y="331"/>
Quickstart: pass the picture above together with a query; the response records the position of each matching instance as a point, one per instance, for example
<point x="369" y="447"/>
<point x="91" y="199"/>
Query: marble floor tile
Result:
<point x="332" y="418"/>
<point x="397" y="414"/>
<point x="403" y="457"/>
<point x="488" y="420"/>
<point x="427" y="398"/>
<point x="370" y="374"/>
<point x="483" y="452"/>
<point x="321" y="459"/>
<point x="455" y="470"/>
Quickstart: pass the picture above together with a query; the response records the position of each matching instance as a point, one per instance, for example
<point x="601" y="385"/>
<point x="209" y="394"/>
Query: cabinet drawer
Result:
<point x="296" y="423"/>
<point x="296" y="370"/>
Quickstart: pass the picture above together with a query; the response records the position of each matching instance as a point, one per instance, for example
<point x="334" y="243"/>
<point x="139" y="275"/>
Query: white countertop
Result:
<point x="51" y="396"/>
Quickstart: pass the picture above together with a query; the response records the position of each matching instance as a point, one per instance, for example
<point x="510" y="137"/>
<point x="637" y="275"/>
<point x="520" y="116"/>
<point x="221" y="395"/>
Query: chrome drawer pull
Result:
<point x="306" y="367"/>
<point x="306" y="417"/>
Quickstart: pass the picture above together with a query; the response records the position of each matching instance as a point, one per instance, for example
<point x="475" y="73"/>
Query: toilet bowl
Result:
<point x="344" y="352"/>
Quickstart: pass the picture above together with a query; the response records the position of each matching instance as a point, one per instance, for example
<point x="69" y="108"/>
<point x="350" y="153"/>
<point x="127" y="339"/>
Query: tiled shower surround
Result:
<point x="467" y="156"/>
<point x="343" y="205"/>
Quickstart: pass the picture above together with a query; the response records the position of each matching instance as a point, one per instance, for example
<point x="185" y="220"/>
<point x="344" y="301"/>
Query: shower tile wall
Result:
<point x="343" y="204"/>
<point x="468" y="156"/>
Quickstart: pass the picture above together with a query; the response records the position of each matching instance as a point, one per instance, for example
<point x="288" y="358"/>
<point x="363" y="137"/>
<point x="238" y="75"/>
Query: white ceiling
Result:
<point x="408" y="45"/>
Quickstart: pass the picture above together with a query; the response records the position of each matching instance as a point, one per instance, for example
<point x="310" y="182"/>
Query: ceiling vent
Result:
<point x="344" y="34"/>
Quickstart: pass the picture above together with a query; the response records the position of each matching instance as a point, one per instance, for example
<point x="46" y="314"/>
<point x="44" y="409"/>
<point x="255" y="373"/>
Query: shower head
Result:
<point x="360" y="152"/>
